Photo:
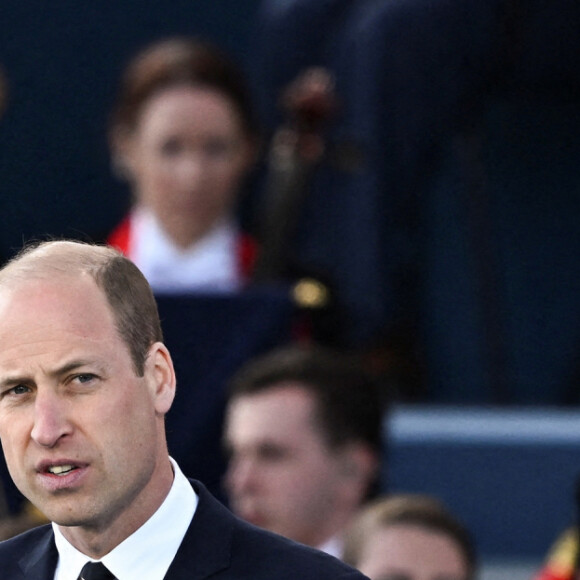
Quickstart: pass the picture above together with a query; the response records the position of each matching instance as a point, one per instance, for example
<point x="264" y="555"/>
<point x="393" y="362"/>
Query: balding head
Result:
<point x="126" y="289"/>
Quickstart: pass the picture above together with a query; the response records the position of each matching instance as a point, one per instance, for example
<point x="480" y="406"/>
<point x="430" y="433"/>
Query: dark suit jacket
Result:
<point x="216" y="545"/>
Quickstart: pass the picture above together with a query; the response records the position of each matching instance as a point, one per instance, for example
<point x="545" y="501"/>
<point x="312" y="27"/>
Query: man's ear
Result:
<point x="360" y="466"/>
<point x="160" y="377"/>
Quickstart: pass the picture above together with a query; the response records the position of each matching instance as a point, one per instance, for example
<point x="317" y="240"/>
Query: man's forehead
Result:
<point x="279" y="400"/>
<point x="273" y="414"/>
<point x="287" y="389"/>
<point x="43" y="328"/>
<point x="62" y="304"/>
<point x="49" y="284"/>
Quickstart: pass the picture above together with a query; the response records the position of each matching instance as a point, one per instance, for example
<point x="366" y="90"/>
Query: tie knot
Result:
<point x="95" y="571"/>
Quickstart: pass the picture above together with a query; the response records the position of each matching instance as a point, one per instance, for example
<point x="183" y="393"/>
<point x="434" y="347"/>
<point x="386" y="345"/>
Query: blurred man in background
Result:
<point x="303" y="433"/>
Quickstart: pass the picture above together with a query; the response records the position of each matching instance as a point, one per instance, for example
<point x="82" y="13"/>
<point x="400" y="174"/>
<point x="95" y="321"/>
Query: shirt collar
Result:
<point x="149" y="551"/>
<point x="210" y="264"/>
<point x="333" y="546"/>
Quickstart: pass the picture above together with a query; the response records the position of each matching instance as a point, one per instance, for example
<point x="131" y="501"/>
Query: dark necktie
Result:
<point x="95" y="571"/>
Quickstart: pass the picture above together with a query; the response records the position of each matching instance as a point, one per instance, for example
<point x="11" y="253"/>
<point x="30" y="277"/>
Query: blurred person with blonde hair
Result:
<point x="410" y="537"/>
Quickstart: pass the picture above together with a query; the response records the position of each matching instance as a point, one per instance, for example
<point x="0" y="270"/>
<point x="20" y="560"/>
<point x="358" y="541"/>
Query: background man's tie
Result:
<point x="95" y="571"/>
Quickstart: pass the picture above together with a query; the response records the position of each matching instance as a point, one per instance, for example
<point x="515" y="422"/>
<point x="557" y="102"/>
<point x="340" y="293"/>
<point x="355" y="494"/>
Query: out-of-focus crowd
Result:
<point x="388" y="192"/>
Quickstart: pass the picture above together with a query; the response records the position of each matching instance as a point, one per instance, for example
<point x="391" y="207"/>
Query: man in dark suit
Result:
<point x="303" y="432"/>
<point x="85" y="383"/>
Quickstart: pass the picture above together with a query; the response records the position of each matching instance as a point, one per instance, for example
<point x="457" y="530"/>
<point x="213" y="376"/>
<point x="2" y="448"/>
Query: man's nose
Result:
<point x="240" y="475"/>
<point x="50" y="419"/>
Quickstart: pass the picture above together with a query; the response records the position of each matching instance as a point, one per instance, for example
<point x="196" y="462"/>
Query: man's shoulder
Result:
<point x="252" y="552"/>
<point x="23" y="542"/>
<point x="34" y="548"/>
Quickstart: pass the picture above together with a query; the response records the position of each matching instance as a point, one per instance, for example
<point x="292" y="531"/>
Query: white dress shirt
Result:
<point x="149" y="551"/>
<point x="334" y="546"/>
<point x="211" y="264"/>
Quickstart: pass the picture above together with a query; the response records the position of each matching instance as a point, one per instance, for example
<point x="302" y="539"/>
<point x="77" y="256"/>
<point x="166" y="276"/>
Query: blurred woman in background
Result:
<point x="184" y="136"/>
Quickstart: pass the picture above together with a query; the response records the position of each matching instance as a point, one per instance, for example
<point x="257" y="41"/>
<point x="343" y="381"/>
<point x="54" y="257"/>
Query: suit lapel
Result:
<point x="206" y="547"/>
<point x="40" y="562"/>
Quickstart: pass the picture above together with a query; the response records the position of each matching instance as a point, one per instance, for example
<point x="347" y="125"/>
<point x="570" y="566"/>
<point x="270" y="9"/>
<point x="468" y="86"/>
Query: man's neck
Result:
<point x="97" y="539"/>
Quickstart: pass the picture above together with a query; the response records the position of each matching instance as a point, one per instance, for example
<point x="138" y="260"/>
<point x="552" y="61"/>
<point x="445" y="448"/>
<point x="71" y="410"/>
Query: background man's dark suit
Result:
<point x="216" y="544"/>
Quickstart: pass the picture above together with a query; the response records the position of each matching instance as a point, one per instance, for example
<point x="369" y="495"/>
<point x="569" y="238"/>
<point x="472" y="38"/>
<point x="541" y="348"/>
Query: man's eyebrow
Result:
<point x="12" y="381"/>
<point x="273" y="447"/>
<point x="59" y="371"/>
<point x="70" y="366"/>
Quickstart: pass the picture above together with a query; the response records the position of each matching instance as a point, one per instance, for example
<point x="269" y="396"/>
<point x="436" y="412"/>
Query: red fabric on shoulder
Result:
<point x="247" y="255"/>
<point x="120" y="237"/>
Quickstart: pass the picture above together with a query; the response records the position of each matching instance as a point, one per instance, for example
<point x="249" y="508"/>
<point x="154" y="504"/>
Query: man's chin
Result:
<point x="67" y="514"/>
<point x="68" y="520"/>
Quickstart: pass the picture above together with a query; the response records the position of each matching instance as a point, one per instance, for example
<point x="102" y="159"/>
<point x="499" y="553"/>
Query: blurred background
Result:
<point x="444" y="214"/>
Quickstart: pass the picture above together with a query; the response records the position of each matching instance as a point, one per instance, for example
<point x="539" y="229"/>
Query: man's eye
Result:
<point x="85" y="378"/>
<point x="172" y="147"/>
<point x="17" y="390"/>
<point x="273" y="454"/>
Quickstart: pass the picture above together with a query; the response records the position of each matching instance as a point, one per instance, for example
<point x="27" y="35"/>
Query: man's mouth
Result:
<point x="61" y="469"/>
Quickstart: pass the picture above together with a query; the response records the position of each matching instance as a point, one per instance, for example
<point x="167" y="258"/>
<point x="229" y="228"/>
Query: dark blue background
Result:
<point x="63" y="63"/>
